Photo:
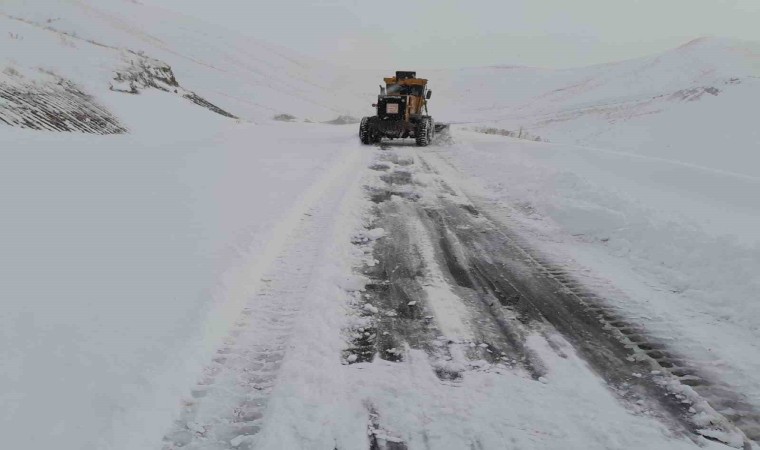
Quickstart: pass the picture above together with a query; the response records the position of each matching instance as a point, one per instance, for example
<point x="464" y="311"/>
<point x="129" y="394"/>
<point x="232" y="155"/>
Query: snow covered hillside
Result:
<point x="695" y="104"/>
<point x="180" y="270"/>
<point x="104" y="49"/>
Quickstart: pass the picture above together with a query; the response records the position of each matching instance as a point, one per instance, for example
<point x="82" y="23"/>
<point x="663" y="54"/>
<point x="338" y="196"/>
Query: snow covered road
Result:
<point x="229" y="404"/>
<point x="403" y="313"/>
<point x="354" y="297"/>
<point x="465" y="290"/>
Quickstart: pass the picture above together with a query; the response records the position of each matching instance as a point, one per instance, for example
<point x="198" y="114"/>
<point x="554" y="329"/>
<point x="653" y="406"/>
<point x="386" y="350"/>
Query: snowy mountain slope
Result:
<point x="88" y="42"/>
<point x="694" y="104"/>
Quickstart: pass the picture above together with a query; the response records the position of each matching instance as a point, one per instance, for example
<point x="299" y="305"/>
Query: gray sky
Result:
<point x="446" y="33"/>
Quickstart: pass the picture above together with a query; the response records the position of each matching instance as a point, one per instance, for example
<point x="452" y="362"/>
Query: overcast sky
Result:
<point x="453" y="33"/>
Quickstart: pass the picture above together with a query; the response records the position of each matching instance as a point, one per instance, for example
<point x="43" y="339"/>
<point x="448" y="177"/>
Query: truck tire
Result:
<point x="365" y="134"/>
<point x="424" y="132"/>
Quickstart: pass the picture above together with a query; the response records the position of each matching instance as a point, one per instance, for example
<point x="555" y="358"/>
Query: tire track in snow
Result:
<point x="635" y="365"/>
<point x="440" y="227"/>
<point x="407" y="275"/>
<point x="226" y="409"/>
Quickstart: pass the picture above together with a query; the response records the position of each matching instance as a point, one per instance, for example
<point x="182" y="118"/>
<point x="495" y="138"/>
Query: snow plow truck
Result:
<point x="401" y="112"/>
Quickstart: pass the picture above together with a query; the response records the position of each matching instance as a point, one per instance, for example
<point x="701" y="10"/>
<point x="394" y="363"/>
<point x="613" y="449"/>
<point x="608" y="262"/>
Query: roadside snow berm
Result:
<point x="400" y="107"/>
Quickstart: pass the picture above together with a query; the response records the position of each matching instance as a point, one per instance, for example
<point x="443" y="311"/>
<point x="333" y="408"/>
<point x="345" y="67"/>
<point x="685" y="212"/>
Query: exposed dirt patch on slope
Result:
<point x="140" y="72"/>
<point x="54" y="104"/>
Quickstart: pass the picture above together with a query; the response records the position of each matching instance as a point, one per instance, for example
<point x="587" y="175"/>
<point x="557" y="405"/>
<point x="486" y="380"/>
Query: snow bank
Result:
<point x="125" y="259"/>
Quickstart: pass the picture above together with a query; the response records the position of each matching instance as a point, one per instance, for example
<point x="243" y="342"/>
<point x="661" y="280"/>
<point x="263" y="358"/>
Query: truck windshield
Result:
<point x="399" y="89"/>
<point x="394" y="89"/>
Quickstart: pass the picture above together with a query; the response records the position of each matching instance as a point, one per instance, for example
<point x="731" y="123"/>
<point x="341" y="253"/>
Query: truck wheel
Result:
<point x="365" y="134"/>
<point x="424" y="132"/>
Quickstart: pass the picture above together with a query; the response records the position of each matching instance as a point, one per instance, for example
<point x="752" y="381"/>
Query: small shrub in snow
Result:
<point x="284" y="117"/>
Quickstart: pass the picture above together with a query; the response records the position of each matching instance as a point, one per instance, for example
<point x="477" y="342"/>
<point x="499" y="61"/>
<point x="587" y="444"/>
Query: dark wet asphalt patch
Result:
<point x="363" y="345"/>
<point x="397" y="177"/>
<point x="448" y="374"/>
<point x="379" y="195"/>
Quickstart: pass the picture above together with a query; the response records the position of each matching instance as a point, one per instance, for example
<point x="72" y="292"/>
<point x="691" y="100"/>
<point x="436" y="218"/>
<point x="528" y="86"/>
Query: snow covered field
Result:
<point x="191" y="273"/>
<point x="126" y="260"/>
